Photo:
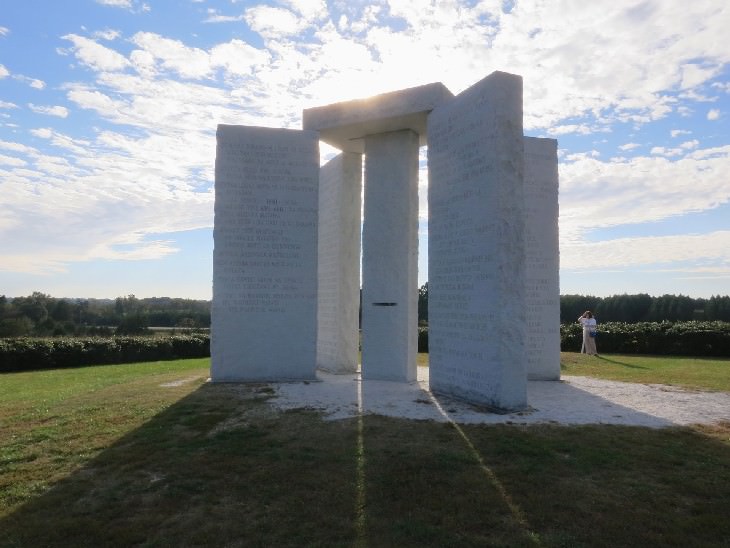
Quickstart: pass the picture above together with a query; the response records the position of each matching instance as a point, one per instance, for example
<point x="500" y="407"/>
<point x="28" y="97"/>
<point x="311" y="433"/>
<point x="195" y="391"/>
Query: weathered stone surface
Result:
<point x="477" y="320"/>
<point x="542" y="262"/>
<point x="264" y="313"/>
<point x="390" y="257"/>
<point x="340" y="190"/>
<point x="344" y="125"/>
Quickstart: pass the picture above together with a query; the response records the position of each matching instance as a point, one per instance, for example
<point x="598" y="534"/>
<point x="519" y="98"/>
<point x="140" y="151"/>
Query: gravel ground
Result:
<point x="572" y="400"/>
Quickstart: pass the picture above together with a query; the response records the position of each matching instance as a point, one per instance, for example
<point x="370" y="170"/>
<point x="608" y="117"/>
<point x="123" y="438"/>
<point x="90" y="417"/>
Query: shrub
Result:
<point x="691" y="338"/>
<point x="25" y="354"/>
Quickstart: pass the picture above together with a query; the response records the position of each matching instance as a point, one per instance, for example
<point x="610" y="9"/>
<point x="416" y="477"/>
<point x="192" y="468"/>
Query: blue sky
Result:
<point x="108" y="111"/>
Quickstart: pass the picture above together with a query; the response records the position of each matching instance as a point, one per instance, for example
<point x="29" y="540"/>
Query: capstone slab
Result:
<point x="344" y="125"/>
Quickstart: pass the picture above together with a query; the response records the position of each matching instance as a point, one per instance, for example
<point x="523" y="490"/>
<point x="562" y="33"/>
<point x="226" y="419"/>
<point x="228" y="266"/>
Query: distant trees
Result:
<point x="626" y="308"/>
<point x="423" y="304"/>
<point x="643" y="308"/>
<point x="718" y="308"/>
<point x="42" y="315"/>
<point x="572" y="306"/>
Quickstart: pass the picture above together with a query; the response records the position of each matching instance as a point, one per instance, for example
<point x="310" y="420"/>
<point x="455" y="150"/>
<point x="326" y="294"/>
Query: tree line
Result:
<point x="626" y="308"/>
<point x="645" y="308"/>
<point x="41" y="315"/>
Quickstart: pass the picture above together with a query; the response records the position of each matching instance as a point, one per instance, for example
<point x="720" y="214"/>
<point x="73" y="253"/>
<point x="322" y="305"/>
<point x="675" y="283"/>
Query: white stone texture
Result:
<point x="264" y="313"/>
<point x="390" y="257"/>
<point x="542" y="262"/>
<point x="477" y="320"/>
<point x="340" y="192"/>
<point x="344" y="125"/>
<point x="574" y="400"/>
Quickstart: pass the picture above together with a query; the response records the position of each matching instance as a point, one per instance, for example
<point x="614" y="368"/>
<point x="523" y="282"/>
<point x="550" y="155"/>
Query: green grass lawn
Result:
<point x="151" y="455"/>
<point x="698" y="373"/>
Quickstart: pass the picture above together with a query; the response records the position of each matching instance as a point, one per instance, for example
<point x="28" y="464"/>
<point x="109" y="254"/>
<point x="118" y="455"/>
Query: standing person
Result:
<point x="589" y="333"/>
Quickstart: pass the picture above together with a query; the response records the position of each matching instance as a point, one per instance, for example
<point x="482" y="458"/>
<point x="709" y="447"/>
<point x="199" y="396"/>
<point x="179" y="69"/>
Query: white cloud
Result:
<point x="109" y="195"/>
<point x="11" y="161"/>
<point x="675" y="151"/>
<point x="4" y="31"/>
<point x="32" y="82"/>
<point x="116" y="3"/>
<point x="722" y="86"/>
<point x="61" y="112"/>
<point x="3" y="71"/>
<point x="214" y="16"/>
<point x="273" y="22"/>
<point x="311" y="10"/>
<point x="43" y="132"/>
<point x="53" y="165"/>
<point x="238" y="57"/>
<point x="694" y="143"/>
<point x="694" y="75"/>
<point x="131" y="5"/>
<point x="641" y="189"/>
<point x="713" y="114"/>
<point x="107" y="34"/>
<point x="629" y="146"/>
<point x="16" y="147"/>
<point x="174" y="55"/>
<point x="684" y="111"/>
<point x="678" y="132"/>
<point x="651" y="250"/>
<point x="69" y="145"/>
<point x="5" y="104"/>
<point x="94" y="100"/>
<point x="143" y="62"/>
<point x="564" y="129"/>
<point x="694" y="95"/>
<point x="94" y="55"/>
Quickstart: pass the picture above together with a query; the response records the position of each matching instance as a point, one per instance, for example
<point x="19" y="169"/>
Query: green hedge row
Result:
<point x="25" y="354"/>
<point x="691" y="338"/>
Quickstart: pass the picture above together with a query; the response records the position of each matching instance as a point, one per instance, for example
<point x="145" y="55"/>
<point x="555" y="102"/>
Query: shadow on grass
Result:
<point x="624" y="364"/>
<point x="221" y="468"/>
<point x="216" y="468"/>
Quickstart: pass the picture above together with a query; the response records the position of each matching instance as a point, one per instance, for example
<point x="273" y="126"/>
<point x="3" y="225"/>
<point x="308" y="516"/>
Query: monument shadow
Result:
<point x="217" y="468"/>
<point x="222" y="467"/>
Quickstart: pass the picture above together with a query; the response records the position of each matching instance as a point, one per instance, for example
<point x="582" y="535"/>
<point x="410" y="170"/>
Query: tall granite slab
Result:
<point x="390" y="257"/>
<point x="340" y="193"/>
<point x="264" y="310"/>
<point x="543" y="259"/>
<point x="477" y="297"/>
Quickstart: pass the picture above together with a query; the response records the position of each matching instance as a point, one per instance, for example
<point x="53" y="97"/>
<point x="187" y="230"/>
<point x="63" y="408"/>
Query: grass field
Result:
<point x="700" y="373"/>
<point x="151" y="455"/>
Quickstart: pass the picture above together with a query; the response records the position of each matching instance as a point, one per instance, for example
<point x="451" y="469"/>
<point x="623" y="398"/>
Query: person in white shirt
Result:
<point x="589" y="333"/>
